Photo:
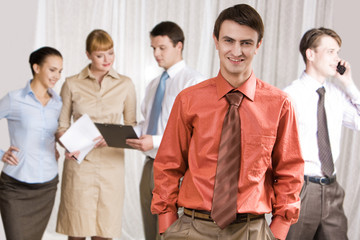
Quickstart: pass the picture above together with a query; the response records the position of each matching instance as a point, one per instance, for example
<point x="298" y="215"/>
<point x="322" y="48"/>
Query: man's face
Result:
<point x="325" y="57"/>
<point x="165" y="53"/>
<point x="237" y="45"/>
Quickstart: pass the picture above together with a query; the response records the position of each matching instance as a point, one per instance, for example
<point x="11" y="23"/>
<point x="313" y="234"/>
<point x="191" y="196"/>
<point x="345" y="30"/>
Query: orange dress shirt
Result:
<point x="271" y="171"/>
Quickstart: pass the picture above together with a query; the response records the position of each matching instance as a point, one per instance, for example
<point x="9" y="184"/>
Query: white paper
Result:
<point x="137" y="130"/>
<point x="80" y="136"/>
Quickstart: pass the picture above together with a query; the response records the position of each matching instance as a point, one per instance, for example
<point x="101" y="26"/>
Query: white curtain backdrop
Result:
<point x="64" y="24"/>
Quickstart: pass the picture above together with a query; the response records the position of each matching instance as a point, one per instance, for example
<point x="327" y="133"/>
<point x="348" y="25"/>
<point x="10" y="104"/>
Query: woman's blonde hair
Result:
<point x="98" y="40"/>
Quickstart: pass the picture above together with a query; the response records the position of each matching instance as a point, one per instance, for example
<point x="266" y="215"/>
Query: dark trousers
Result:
<point x="150" y="221"/>
<point x="321" y="214"/>
<point x="190" y="228"/>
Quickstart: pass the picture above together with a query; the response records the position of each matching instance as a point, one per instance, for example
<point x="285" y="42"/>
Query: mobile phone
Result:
<point x="340" y="68"/>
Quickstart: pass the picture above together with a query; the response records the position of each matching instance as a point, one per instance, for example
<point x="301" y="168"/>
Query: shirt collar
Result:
<point x="247" y="88"/>
<point x="54" y="95"/>
<point x="174" y="69"/>
<point x="28" y="91"/>
<point x="312" y="83"/>
<point x="87" y="74"/>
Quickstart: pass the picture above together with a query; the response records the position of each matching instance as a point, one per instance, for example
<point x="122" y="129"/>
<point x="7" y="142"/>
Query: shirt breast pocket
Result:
<point x="257" y="155"/>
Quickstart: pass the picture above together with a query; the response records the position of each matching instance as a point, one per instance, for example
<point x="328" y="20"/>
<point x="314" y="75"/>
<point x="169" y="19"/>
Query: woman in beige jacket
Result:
<point x="92" y="193"/>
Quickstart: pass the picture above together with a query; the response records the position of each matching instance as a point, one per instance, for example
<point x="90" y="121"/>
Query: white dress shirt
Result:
<point x="180" y="77"/>
<point x="342" y="109"/>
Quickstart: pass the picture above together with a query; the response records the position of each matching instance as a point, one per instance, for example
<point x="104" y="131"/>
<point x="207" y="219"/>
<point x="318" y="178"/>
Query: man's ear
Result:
<point x="258" y="46"/>
<point x="216" y="41"/>
<point x="179" y="46"/>
<point x="88" y="55"/>
<point x="309" y="54"/>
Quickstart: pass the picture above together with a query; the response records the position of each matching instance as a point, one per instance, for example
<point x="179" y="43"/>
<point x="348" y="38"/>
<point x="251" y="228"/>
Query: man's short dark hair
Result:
<point x="311" y="39"/>
<point x="170" y="29"/>
<point x="243" y="14"/>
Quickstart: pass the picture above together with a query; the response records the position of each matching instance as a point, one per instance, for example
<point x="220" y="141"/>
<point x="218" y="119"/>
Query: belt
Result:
<point x="206" y="215"/>
<point x="320" y="180"/>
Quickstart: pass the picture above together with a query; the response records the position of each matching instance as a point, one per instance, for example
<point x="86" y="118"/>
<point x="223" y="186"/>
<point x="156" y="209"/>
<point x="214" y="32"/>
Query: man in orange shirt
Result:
<point x="270" y="168"/>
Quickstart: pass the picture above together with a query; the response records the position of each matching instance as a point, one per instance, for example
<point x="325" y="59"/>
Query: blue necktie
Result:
<point x="156" y="107"/>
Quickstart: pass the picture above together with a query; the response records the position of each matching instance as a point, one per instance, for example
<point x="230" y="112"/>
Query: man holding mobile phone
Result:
<point x="322" y="109"/>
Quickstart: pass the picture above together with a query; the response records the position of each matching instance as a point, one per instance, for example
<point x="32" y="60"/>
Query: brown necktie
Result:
<point x="224" y="209"/>
<point x="327" y="163"/>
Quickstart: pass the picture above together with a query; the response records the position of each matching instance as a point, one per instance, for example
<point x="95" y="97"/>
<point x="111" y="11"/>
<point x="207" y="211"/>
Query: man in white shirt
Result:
<point x="320" y="123"/>
<point x="167" y="41"/>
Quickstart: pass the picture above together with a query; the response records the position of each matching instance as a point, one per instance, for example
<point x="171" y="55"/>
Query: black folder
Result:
<point x="115" y="135"/>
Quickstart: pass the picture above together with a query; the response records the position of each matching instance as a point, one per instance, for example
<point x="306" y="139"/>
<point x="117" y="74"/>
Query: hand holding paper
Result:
<point x="100" y="142"/>
<point x="72" y="155"/>
<point x="80" y="137"/>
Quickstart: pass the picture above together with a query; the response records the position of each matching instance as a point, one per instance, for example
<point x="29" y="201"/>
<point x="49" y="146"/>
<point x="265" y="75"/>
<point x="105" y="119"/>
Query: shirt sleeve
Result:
<point x="4" y="113"/>
<point x="5" y="106"/>
<point x="288" y="170"/>
<point x="351" y="115"/>
<point x="140" y="128"/>
<point x="130" y="106"/>
<point x="157" y="140"/>
<point x="66" y="110"/>
<point x="170" y="165"/>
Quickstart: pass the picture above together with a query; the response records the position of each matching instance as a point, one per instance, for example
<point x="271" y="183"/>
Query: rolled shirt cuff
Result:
<point x="280" y="227"/>
<point x="166" y="220"/>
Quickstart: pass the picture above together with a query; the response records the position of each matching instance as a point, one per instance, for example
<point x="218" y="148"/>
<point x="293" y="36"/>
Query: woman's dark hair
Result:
<point x="38" y="56"/>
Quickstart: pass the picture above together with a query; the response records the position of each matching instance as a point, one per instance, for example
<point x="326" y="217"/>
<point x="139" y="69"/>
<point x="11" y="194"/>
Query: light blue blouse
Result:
<point x="32" y="128"/>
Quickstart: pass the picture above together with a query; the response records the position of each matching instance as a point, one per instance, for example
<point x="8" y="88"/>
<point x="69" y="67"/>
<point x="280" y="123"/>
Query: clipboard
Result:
<point x="115" y="135"/>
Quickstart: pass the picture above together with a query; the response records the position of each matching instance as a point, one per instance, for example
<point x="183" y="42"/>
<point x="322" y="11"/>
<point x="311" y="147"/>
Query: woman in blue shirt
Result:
<point x="29" y="178"/>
